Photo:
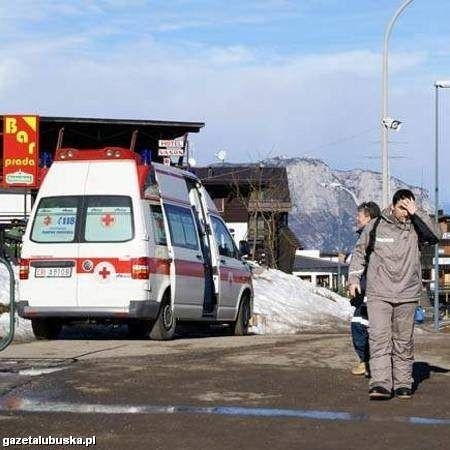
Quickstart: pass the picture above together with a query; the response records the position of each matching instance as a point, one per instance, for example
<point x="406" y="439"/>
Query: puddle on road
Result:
<point x="33" y="367"/>
<point x="18" y="404"/>
<point x="43" y="371"/>
<point x="233" y="396"/>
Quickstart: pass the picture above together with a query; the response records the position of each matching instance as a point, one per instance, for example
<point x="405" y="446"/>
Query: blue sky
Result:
<point x="268" y="77"/>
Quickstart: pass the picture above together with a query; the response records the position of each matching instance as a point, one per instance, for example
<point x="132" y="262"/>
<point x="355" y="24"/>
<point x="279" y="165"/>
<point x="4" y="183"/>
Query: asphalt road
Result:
<point x="218" y="393"/>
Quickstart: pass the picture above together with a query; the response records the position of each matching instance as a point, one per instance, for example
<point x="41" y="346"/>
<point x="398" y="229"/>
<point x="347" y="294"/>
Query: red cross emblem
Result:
<point x="104" y="273"/>
<point x="108" y="220"/>
<point x="47" y="221"/>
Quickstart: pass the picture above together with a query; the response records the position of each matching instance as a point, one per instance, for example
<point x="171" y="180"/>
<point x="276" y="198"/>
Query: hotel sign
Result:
<point x="171" y="147"/>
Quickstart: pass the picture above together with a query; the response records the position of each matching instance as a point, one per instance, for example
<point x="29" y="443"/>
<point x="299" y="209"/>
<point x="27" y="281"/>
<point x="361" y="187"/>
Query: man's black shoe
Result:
<point x="403" y="392"/>
<point x="379" y="393"/>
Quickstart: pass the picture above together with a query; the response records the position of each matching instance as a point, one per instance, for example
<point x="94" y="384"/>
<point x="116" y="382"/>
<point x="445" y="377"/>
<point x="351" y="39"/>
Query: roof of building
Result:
<point x="272" y="180"/>
<point x="84" y="132"/>
<point x="309" y="264"/>
<point x="242" y="173"/>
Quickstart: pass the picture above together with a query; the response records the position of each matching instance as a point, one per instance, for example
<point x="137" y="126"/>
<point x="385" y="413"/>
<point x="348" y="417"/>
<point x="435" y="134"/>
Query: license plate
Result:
<point x="53" y="272"/>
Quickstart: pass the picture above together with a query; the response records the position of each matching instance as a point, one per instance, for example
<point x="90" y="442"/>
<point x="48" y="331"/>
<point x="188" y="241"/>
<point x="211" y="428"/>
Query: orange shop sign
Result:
<point x="20" y="150"/>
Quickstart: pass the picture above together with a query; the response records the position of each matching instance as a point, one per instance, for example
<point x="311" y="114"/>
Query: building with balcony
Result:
<point x="254" y="201"/>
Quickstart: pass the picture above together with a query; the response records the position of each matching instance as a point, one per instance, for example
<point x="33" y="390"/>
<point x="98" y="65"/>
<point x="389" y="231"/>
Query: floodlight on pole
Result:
<point x="337" y="185"/>
<point x="442" y="84"/>
<point x="392" y="124"/>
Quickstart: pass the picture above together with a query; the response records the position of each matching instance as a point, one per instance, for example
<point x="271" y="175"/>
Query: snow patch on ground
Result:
<point x="285" y="304"/>
<point x="23" y="331"/>
<point x="4" y="284"/>
<point x="22" y="328"/>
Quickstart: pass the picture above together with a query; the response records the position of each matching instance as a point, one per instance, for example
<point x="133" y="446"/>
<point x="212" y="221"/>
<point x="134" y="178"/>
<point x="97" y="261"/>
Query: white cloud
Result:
<point x="252" y="101"/>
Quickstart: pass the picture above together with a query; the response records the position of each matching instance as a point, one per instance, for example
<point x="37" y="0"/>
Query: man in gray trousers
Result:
<point x="394" y="283"/>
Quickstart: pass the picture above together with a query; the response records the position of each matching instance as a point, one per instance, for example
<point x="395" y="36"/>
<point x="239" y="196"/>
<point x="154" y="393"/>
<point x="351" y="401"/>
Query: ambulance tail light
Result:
<point x="140" y="268"/>
<point x="24" y="269"/>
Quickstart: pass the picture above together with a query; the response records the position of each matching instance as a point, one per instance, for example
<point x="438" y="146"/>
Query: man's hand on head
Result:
<point x="409" y="205"/>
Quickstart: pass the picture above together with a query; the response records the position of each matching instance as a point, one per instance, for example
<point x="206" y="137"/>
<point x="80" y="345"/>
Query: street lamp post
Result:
<point x="437" y="85"/>
<point x="385" y="129"/>
<point x="341" y="186"/>
<point x="339" y="244"/>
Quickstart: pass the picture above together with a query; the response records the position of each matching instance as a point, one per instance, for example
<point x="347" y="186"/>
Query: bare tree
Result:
<point x="264" y="194"/>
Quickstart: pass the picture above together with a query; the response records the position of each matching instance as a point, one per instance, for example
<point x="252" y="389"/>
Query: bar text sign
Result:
<point x="20" y="150"/>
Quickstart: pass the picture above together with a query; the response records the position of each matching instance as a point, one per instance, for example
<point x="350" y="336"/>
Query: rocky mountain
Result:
<point x="323" y="214"/>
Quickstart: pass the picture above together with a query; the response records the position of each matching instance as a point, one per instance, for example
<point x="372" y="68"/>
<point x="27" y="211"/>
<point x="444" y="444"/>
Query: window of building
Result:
<point x="305" y="277"/>
<point x="220" y="204"/>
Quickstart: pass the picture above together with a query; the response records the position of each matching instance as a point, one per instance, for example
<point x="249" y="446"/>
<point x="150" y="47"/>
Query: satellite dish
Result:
<point x="221" y="155"/>
<point x="192" y="162"/>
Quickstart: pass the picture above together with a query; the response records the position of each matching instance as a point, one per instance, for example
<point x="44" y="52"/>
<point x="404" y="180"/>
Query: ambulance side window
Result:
<point x="183" y="232"/>
<point x="55" y="220"/>
<point x="224" y="241"/>
<point x="157" y="219"/>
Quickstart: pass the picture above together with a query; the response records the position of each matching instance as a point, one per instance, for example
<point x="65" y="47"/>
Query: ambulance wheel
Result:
<point x="46" y="328"/>
<point x="240" y="326"/>
<point x="139" y="329"/>
<point x="164" y="327"/>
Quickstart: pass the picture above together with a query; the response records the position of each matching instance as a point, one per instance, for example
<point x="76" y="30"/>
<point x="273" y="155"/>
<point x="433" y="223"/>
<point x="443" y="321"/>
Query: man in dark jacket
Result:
<point x="360" y="336"/>
<point x="394" y="285"/>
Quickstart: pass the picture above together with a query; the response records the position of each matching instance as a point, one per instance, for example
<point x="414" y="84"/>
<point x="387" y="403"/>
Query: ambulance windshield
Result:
<point x="96" y="218"/>
<point x="55" y="220"/>
<point x="108" y="219"/>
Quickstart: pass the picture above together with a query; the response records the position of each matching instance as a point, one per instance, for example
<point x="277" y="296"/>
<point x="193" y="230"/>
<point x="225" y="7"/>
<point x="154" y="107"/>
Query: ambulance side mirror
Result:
<point x="244" y="248"/>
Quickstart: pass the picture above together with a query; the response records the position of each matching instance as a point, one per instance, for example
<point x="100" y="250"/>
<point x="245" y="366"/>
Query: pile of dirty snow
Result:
<point x="286" y="304"/>
<point x="22" y="328"/>
<point x="23" y="331"/>
<point x="4" y="284"/>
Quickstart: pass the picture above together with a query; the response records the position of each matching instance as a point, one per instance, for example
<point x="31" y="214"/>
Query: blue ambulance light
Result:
<point x="45" y="160"/>
<point x="146" y="156"/>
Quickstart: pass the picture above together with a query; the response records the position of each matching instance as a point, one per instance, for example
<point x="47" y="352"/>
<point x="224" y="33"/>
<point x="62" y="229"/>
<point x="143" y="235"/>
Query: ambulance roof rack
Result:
<point x="107" y="153"/>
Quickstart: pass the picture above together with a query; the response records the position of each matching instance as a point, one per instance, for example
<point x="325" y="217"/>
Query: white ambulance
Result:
<point x="113" y="240"/>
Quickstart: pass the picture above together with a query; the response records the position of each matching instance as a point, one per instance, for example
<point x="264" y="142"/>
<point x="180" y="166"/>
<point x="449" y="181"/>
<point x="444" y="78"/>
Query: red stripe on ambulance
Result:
<point x="158" y="266"/>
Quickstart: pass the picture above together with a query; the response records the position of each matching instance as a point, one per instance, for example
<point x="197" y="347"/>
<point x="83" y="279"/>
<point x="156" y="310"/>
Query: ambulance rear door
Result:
<point x="112" y="238"/>
<point x="50" y="243"/>
<point x="53" y="253"/>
